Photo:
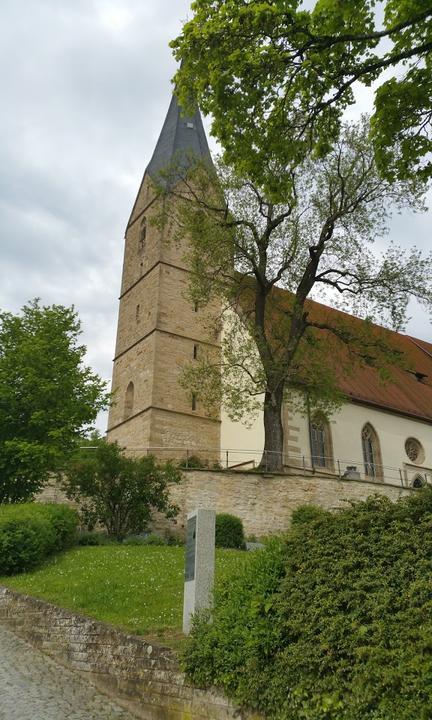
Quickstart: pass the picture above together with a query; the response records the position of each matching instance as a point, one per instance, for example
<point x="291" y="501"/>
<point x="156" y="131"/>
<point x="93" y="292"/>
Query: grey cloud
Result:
<point x="83" y="101"/>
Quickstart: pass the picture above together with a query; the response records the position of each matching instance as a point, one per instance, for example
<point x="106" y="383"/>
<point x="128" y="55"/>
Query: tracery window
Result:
<point x="414" y="450"/>
<point x="129" y="400"/>
<point x="418" y="481"/>
<point x="321" y="442"/>
<point x="371" y="453"/>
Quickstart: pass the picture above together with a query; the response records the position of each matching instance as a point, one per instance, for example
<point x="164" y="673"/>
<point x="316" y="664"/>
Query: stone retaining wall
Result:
<point x="265" y="502"/>
<point x="143" y="677"/>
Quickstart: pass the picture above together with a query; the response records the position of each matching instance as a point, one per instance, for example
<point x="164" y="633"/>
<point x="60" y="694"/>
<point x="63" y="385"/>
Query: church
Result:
<point x="381" y="434"/>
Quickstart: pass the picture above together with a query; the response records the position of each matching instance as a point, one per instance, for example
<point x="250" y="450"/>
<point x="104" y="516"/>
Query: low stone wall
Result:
<point x="265" y="502"/>
<point x="143" y="677"/>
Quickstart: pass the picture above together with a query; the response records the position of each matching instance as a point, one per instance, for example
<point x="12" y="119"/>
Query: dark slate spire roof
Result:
<point x="182" y="138"/>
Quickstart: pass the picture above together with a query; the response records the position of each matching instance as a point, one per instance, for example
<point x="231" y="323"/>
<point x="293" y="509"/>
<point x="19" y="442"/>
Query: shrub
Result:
<point x="335" y="621"/>
<point x="31" y="532"/>
<point x="306" y="514"/>
<point x="119" y="492"/>
<point x="174" y="540"/>
<point x="193" y="462"/>
<point x="229" y="531"/>
<point x="94" y="539"/>
<point x="151" y="539"/>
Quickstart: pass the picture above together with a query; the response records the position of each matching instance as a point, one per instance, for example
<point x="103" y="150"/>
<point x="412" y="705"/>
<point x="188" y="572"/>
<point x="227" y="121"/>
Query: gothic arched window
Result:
<point x="371" y="453"/>
<point x="321" y="442"/>
<point x="142" y="234"/>
<point x="129" y="400"/>
<point x="418" y="482"/>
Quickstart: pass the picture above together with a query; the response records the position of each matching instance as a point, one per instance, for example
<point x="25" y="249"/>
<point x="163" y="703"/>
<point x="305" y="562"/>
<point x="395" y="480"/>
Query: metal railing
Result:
<point x="244" y="459"/>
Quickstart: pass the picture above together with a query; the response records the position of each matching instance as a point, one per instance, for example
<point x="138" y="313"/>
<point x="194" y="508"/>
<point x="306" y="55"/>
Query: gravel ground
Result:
<point x="35" y="687"/>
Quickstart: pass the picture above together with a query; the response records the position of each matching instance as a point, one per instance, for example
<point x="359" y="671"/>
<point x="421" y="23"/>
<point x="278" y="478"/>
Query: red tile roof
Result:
<point x="409" y="392"/>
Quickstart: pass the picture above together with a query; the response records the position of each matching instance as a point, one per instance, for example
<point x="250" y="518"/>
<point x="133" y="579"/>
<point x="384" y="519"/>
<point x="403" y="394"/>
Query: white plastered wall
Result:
<point x="242" y="443"/>
<point x="346" y="426"/>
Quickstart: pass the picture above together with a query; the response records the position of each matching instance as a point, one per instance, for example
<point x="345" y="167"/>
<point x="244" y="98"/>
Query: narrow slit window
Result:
<point x="194" y="401"/>
<point x="142" y="234"/>
<point x="129" y="401"/>
<point x="195" y="352"/>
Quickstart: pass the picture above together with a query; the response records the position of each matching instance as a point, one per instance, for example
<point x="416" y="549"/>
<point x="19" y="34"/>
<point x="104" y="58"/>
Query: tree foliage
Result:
<point x="335" y="620"/>
<point x="48" y="397"/>
<point x="277" y="78"/>
<point x="119" y="492"/>
<point x="318" y="242"/>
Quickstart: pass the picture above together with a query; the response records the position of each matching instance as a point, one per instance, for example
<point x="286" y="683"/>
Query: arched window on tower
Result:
<point x="142" y="234"/>
<point x="371" y="453"/>
<point x="321" y="442"/>
<point x="129" y="400"/>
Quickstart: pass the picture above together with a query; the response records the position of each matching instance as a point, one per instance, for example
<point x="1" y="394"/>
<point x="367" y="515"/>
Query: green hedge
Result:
<point x="306" y="514"/>
<point x="332" y="622"/>
<point x="30" y="532"/>
<point x="229" y="531"/>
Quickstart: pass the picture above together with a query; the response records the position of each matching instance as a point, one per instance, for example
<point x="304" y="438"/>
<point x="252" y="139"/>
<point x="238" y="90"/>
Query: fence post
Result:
<point x="400" y="475"/>
<point x="227" y="461"/>
<point x="339" y="470"/>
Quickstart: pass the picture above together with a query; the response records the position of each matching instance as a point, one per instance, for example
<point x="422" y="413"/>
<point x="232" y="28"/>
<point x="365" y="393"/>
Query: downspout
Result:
<point x="310" y="431"/>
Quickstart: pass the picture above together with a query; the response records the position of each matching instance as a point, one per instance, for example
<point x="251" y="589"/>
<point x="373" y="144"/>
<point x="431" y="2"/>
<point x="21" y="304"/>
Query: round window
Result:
<point x="414" y="450"/>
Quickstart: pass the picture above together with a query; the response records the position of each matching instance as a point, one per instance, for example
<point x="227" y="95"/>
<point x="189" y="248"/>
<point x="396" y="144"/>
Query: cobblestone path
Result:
<point x="34" y="687"/>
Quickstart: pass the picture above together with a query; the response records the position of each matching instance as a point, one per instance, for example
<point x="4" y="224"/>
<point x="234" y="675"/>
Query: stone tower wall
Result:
<point x="159" y="331"/>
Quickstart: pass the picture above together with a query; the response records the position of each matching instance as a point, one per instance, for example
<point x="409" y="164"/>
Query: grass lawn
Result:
<point x="137" y="588"/>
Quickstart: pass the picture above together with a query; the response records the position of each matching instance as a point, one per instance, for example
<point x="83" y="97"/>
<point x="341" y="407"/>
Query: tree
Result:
<point x="48" y="397"/>
<point x="277" y="78"/>
<point x="244" y="248"/>
<point x="119" y="492"/>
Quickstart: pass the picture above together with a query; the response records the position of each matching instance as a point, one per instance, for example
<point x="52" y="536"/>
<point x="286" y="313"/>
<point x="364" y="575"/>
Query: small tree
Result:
<point x="119" y="492"/>
<point x="244" y="247"/>
<point x="48" y="397"/>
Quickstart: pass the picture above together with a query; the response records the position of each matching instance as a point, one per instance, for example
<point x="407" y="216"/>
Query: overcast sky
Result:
<point x="85" y="86"/>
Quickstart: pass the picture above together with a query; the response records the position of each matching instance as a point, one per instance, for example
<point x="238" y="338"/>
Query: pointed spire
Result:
<point x="182" y="138"/>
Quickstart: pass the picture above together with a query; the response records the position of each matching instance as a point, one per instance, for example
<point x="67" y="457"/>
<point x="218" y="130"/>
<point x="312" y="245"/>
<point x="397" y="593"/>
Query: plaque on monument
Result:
<point x="190" y="549"/>
<point x="199" y="564"/>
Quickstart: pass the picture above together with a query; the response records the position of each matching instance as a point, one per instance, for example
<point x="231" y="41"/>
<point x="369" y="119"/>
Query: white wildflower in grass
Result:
<point x="138" y="588"/>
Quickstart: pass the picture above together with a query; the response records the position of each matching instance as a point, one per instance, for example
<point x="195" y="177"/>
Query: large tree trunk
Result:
<point x="272" y="458"/>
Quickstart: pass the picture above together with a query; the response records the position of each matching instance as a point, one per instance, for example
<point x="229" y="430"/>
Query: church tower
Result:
<point x="159" y="329"/>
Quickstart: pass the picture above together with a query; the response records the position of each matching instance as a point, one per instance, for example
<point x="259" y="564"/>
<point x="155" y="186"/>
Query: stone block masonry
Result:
<point x="35" y="687"/>
<point x="265" y="503"/>
<point x="145" y="678"/>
